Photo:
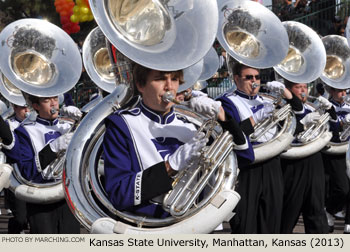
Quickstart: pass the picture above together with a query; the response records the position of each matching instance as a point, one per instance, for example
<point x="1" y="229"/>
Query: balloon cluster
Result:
<point x="81" y="12"/>
<point x="65" y="9"/>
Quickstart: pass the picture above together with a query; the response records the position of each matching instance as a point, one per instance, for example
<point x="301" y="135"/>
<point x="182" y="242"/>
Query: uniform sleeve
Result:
<point x="295" y="103"/>
<point x="26" y="157"/>
<point x="126" y="184"/>
<point x="245" y="156"/>
<point x="5" y="132"/>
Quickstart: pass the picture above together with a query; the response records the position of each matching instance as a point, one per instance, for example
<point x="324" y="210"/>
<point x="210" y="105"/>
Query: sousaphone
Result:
<point x="166" y="36"/>
<point x="39" y="59"/>
<point x="101" y="71"/>
<point x="337" y="75"/>
<point x="305" y="62"/>
<point x="254" y="36"/>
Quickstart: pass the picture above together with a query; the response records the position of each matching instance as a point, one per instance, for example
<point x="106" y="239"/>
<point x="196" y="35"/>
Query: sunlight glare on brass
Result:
<point x="334" y="67"/>
<point x="103" y="64"/>
<point x="11" y="88"/>
<point x="243" y="44"/>
<point x="293" y="61"/>
<point x="32" y="68"/>
<point x="141" y="21"/>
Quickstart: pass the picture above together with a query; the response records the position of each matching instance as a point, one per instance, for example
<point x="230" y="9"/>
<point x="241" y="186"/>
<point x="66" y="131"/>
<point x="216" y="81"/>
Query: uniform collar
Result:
<point x="151" y="114"/>
<point x="244" y="95"/>
<point x="46" y="122"/>
<point x="337" y="104"/>
<point x="16" y="119"/>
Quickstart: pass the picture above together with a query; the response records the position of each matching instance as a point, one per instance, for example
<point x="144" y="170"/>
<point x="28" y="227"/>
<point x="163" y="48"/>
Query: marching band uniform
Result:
<point x="260" y="185"/>
<point x="18" y="222"/>
<point x="137" y="141"/>
<point x="335" y="167"/>
<point x="304" y="183"/>
<point x="36" y="144"/>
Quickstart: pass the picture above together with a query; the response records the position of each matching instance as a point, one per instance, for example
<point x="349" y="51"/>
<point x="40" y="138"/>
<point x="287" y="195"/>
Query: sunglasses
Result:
<point x="250" y="77"/>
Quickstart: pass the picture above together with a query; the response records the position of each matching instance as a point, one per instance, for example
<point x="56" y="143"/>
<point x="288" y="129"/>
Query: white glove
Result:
<point x="187" y="153"/>
<point x="61" y="143"/>
<point x="71" y="112"/>
<point x="310" y="118"/>
<point x="346" y="119"/>
<point x="196" y="93"/>
<point x="263" y="113"/>
<point x="275" y="86"/>
<point x="324" y="102"/>
<point x="205" y="105"/>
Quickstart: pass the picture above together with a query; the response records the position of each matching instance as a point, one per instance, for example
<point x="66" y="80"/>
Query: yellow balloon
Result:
<point x="74" y="18"/>
<point x="84" y="10"/>
<point x="78" y="2"/>
<point x="76" y="9"/>
<point x="90" y="18"/>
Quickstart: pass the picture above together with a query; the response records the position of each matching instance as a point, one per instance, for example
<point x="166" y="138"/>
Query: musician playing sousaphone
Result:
<point x="260" y="184"/>
<point x="336" y="79"/>
<point x="249" y="108"/>
<point x="37" y="142"/>
<point x="145" y="146"/>
<point x="335" y="165"/>
<point x="304" y="179"/>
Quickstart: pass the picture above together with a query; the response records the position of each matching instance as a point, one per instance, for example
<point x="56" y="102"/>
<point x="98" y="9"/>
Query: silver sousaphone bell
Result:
<point x="11" y="92"/>
<point x="39" y="59"/>
<point x="305" y="63"/>
<point x="162" y="35"/>
<point x="336" y="73"/>
<point x="306" y="56"/>
<point x="100" y="69"/>
<point x="251" y="33"/>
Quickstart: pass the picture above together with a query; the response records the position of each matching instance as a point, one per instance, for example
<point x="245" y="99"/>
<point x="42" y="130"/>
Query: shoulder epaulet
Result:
<point x="28" y="121"/>
<point x="134" y="111"/>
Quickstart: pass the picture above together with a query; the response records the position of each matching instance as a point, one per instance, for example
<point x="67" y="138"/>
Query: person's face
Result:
<point x="21" y="112"/>
<point x="156" y="85"/>
<point x="45" y="105"/>
<point x="337" y="94"/>
<point x="245" y="81"/>
<point x="299" y="89"/>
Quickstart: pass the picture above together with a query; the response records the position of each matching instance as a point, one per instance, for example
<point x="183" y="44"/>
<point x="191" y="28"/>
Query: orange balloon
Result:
<point x="64" y="13"/>
<point x="59" y="8"/>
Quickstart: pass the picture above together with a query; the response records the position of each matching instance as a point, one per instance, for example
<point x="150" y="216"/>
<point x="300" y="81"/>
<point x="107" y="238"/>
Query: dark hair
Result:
<point x="320" y="88"/>
<point x="140" y="74"/>
<point x="288" y="83"/>
<point x="237" y="68"/>
<point x="33" y="99"/>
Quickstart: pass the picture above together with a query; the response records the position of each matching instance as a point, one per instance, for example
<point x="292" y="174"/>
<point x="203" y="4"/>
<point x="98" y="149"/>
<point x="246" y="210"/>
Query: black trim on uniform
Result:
<point x="5" y="132"/>
<point x="332" y="113"/>
<point x="46" y="156"/>
<point x="299" y="128"/>
<point x="155" y="181"/>
<point x="296" y="103"/>
<point x="233" y="127"/>
<point x="247" y="127"/>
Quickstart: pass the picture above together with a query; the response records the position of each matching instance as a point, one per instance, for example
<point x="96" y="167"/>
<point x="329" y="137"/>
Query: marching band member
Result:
<point x="335" y="165"/>
<point x="18" y="222"/>
<point x="146" y="145"/>
<point x="35" y="144"/>
<point x="260" y="185"/>
<point x="304" y="179"/>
